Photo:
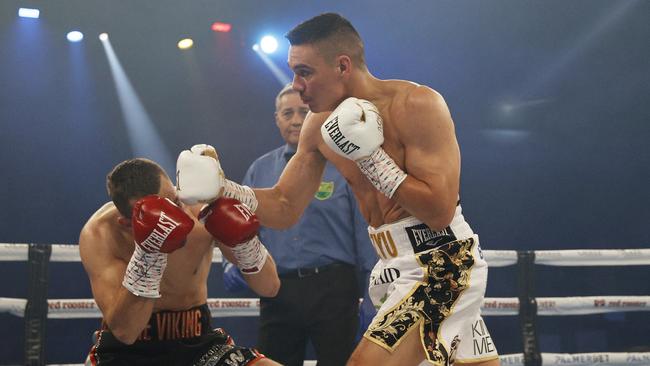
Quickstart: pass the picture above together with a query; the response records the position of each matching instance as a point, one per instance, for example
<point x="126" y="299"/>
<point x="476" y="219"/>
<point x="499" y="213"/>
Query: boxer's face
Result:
<point x="289" y="117"/>
<point x="168" y="190"/>
<point x="318" y="82"/>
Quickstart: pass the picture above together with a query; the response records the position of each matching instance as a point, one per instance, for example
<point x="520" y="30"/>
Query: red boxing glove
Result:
<point x="159" y="225"/>
<point x="229" y="221"/>
<point x="235" y="225"/>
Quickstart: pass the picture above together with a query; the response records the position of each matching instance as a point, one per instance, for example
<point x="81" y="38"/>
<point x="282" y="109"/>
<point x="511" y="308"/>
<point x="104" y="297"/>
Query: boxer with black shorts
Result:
<point x="148" y="257"/>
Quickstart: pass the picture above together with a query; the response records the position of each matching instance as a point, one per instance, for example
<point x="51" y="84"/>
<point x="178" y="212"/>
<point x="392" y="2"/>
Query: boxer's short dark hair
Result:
<point x="332" y="34"/>
<point x="133" y="179"/>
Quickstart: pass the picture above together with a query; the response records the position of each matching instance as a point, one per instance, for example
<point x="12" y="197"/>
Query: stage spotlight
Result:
<point x="275" y="70"/>
<point x="268" y="44"/>
<point x="28" y="13"/>
<point x="185" y="43"/>
<point x="75" y="36"/>
<point x="142" y="133"/>
<point x="221" y="27"/>
<point x="103" y="37"/>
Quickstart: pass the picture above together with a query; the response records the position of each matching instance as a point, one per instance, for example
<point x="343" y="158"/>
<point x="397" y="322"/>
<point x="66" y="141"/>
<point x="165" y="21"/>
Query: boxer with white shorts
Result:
<point x="431" y="283"/>
<point x="394" y="142"/>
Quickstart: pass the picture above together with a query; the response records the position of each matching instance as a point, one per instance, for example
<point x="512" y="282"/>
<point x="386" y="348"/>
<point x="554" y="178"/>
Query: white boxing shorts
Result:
<point x="432" y="282"/>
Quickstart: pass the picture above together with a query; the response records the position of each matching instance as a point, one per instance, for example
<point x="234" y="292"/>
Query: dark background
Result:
<point x="550" y="100"/>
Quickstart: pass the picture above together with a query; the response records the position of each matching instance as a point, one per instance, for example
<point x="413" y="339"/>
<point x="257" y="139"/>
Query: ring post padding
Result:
<point x="528" y="308"/>
<point x="36" y="307"/>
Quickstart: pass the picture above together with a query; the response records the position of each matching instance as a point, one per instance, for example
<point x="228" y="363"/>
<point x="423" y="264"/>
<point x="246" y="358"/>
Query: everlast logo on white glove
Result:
<point x="354" y="129"/>
<point x="158" y="235"/>
<point x="339" y="139"/>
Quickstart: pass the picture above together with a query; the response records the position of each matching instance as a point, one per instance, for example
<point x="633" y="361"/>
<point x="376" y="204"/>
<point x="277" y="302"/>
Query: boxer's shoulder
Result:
<point x="408" y="107"/>
<point x="408" y="97"/>
<point x="103" y="233"/>
<point x="103" y="222"/>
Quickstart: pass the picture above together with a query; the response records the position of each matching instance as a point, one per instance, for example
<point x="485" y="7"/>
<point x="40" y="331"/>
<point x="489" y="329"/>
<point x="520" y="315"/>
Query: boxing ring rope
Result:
<point x="526" y="306"/>
<point x="495" y="258"/>
<point x="228" y="307"/>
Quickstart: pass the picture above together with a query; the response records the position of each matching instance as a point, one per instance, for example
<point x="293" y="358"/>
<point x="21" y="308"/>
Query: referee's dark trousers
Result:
<point x="320" y="304"/>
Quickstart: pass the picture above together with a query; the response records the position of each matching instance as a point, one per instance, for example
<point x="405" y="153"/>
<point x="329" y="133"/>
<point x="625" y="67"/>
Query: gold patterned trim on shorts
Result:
<point x="429" y="303"/>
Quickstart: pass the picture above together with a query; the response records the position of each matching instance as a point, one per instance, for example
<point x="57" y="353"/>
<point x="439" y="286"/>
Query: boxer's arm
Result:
<point x="282" y="205"/>
<point x="125" y="313"/>
<point x="265" y="282"/>
<point x="432" y="159"/>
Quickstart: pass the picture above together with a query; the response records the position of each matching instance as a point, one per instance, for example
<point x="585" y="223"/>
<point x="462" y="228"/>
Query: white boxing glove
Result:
<point x="199" y="177"/>
<point x="354" y="130"/>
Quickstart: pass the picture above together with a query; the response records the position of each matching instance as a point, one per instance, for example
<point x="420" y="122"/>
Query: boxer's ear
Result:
<point x="344" y="64"/>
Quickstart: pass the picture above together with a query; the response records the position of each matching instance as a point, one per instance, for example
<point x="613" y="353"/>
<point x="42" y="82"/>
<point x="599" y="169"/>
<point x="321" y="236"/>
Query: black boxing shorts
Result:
<point x="173" y="338"/>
